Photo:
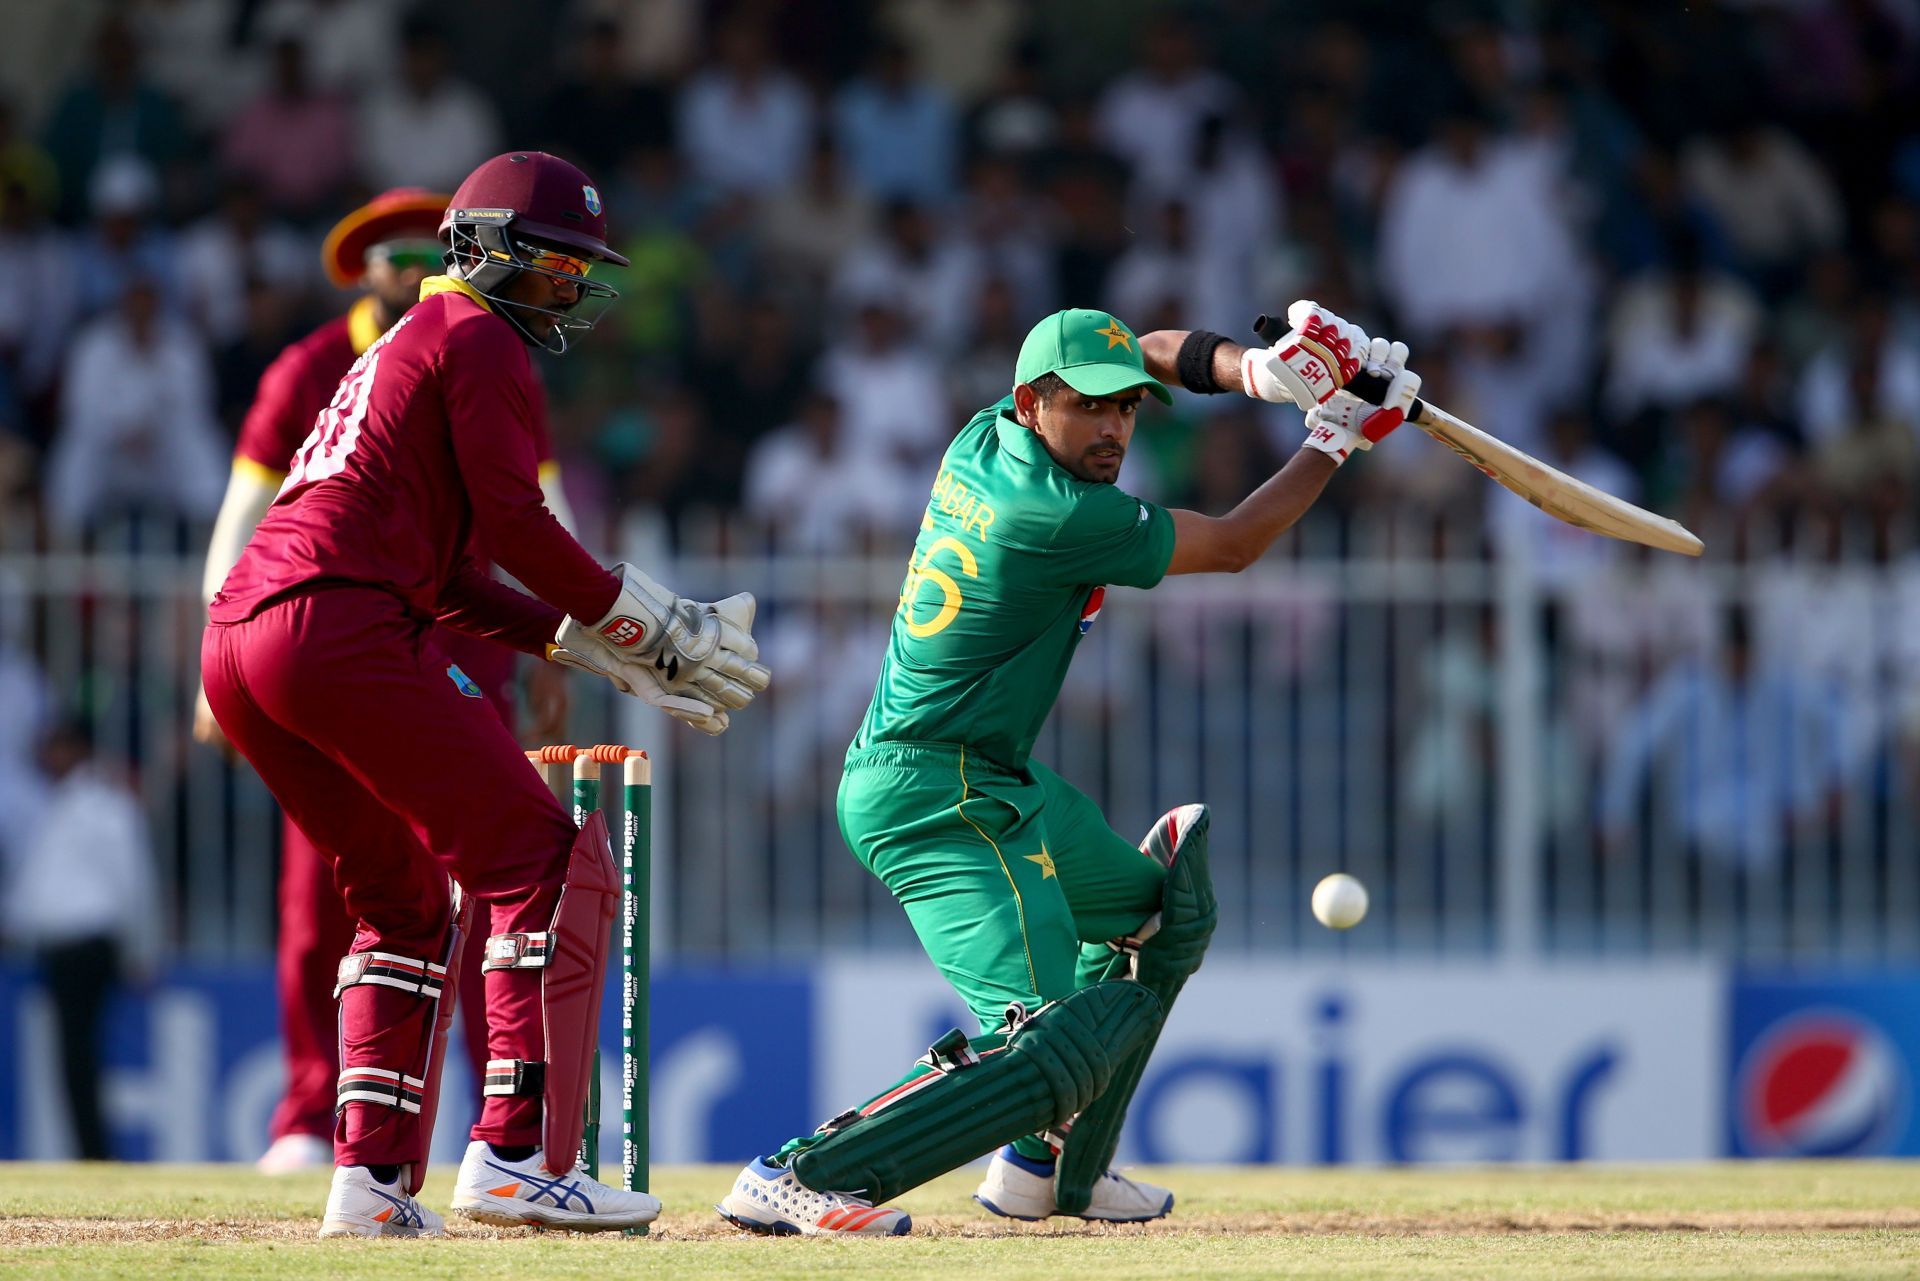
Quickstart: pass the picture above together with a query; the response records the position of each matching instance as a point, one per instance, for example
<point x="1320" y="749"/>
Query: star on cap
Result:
<point x="1115" y="336"/>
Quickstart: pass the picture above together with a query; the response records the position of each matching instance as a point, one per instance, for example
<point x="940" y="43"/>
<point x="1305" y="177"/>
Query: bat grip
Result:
<point x="1366" y="384"/>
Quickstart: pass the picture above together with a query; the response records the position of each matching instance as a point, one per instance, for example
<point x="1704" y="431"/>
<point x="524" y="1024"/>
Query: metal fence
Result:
<point x="1535" y="753"/>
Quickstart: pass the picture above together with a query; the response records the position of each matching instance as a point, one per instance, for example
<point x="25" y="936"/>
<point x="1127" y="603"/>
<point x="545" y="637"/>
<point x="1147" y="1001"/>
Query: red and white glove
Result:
<point x="1346" y="422"/>
<point x="1318" y="356"/>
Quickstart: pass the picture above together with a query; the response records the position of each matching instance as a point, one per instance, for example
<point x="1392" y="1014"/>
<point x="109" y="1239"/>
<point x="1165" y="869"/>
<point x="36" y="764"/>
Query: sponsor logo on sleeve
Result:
<point x="1091" y="610"/>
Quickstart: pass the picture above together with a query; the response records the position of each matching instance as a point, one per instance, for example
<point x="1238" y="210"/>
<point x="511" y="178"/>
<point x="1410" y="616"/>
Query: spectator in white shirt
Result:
<point x="934" y="277"/>
<point x="817" y="492"/>
<point x="352" y="46"/>
<point x="891" y="397"/>
<point x="137" y="424"/>
<point x="807" y="229"/>
<point x="1151" y="117"/>
<point x="427" y="129"/>
<point x="1767" y="192"/>
<point x="1472" y="231"/>
<point x="745" y="124"/>
<point x="1678" y="335"/>
<point x="81" y="895"/>
<point x="237" y="244"/>
<point x="1870" y="371"/>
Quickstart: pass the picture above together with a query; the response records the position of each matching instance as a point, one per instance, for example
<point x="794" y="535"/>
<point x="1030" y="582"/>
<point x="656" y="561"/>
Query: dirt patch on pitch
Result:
<point x="698" y="1227"/>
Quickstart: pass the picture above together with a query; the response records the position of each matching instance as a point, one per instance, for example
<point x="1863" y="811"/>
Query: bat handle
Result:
<point x="1366" y="384"/>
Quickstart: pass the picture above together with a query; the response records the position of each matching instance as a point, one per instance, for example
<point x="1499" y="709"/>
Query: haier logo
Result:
<point x="1322" y="1064"/>
<point x="1458" y="1101"/>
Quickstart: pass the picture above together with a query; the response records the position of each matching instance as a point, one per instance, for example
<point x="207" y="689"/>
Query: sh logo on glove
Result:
<point x="623" y="631"/>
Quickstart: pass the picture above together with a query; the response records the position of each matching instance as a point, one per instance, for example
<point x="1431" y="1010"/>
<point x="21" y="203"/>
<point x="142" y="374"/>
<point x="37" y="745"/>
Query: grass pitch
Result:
<point x="1747" y="1221"/>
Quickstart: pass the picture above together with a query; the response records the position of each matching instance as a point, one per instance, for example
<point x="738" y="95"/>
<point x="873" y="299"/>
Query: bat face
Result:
<point x="1553" y="491"/>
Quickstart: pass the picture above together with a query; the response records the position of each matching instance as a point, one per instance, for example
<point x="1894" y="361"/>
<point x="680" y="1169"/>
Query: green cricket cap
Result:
<point x="1091" y="350"/>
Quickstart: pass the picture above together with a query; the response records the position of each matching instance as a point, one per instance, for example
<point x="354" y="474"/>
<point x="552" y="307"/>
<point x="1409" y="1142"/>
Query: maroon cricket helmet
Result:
<point x="538" y="196"/>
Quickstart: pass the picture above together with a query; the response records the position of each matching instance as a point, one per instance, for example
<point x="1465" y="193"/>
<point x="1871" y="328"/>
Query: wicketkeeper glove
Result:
<point x="692" y="659"/>
<point x="1346" y="422"/>
<point x="1316" y="358"/>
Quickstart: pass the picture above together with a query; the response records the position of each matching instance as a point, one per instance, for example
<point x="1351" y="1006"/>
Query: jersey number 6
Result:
<point x="924" y="572"/>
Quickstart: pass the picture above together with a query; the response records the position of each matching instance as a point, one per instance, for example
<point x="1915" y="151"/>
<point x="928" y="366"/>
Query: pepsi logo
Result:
<point x="1091" y="610"/>
<point x="1820" y="1083"/>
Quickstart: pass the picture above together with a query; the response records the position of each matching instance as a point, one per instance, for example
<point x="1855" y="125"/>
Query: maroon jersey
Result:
<point x="429" y="446"/>
<point x="296" y="387"/>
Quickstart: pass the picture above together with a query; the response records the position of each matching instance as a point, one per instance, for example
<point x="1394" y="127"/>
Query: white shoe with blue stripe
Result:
<point x="359" y="1205"/>
<point x="519" y="1193"/>
<point x="1019" y="1188"/>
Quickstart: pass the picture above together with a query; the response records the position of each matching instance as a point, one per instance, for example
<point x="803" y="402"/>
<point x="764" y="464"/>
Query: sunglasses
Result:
<point x="553" y="260"/>
<point x="402" y="254"/>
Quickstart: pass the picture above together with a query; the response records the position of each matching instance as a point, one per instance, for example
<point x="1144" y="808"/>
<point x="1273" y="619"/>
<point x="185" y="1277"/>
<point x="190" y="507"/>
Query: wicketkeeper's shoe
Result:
<point x="1016" y="1188"/>
<point x="291" y="1153"/>
<point x="513" y="1194"/>
<point x="766" y="1198"/>
<point x="361" y="1206"/>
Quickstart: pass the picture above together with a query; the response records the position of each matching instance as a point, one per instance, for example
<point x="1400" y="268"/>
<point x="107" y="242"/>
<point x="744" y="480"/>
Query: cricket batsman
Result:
<point x="322" y="665"/>
<point x="1068" y="943"/>
<point x="386" y="247"/>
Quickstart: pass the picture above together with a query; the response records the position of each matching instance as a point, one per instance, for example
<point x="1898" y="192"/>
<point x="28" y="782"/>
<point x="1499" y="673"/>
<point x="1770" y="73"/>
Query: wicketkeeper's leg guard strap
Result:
<point x="1160" y="956"/>
<point x="412" y="1087"/>
<point x="1054" y="1064"/>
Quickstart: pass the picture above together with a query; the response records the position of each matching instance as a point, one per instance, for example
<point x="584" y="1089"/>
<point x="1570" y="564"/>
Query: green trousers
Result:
<point x="1003" y="874"/>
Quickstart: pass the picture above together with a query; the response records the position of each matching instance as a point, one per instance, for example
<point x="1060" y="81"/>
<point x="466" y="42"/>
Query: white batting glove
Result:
<point x="1346" y="422"/>
<point x="1318" y="356"/>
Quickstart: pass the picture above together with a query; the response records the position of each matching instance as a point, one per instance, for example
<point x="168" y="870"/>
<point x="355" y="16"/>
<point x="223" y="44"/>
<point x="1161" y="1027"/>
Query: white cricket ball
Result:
<point x="1339" y="901"/>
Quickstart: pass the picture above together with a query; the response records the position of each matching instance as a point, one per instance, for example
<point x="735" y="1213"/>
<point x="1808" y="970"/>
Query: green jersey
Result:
<point x="1007" y="575"/>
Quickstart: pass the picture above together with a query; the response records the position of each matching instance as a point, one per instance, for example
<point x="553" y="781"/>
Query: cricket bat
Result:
<point x="1548" y="488"/>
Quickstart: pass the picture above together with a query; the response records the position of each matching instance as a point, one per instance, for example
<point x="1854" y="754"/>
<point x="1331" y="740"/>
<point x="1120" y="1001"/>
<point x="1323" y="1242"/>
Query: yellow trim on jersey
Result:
<point x="451" y="285"/>
<point x="363" y="327"/>
<point x="1019" y="904"/>
<point x="258" y="471"/>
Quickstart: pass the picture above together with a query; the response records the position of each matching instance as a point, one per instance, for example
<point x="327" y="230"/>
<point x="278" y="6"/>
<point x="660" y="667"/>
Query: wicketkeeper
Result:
<point x="322" y="667"/>
<point x="1067" y="942"/>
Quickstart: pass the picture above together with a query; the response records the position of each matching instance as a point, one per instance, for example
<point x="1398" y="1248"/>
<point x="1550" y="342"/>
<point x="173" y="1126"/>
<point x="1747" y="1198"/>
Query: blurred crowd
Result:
<point x="1673" y="248"/>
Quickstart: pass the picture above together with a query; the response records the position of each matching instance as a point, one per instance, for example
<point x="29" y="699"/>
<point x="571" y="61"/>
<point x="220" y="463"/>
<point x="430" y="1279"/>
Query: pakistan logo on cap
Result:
<point x="593" y="200"/>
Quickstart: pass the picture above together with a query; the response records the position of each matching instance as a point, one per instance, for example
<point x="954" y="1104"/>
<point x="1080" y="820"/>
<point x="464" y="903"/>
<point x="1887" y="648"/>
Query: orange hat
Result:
<point x="403" y="211"/>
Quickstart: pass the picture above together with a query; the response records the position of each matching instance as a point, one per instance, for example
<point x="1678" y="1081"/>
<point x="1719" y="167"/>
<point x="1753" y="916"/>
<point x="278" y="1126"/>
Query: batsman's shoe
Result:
<point x="1016" y="1188"/>
<point x="768" y="1199"/>
<point x="512" y="1194"/>
<point x="291" y="1153"/>
<point x="361" y="1206"/>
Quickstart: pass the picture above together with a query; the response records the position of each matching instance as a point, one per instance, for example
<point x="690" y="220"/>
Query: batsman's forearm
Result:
<point x="1228" y="544"/>
<point x="1276" y="506"/>
<point x="1160" y="352"/>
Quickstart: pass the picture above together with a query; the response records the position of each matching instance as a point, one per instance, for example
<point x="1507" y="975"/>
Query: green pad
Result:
<point x="1054" y="1065"/>
<point x="1162" y="965"/>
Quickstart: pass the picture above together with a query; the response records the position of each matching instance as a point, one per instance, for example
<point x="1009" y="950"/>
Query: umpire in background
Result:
<point x="80" y="895"/>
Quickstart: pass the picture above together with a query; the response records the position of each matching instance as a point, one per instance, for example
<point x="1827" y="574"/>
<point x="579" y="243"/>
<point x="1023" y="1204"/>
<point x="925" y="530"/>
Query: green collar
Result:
<point x="1021" y="442"/>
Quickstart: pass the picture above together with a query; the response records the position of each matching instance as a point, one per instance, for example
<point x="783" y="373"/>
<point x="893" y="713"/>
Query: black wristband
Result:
<point x="1195" y="362"/>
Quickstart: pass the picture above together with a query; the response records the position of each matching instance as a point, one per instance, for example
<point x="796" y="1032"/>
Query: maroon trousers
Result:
<point x="402" y="774"/>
